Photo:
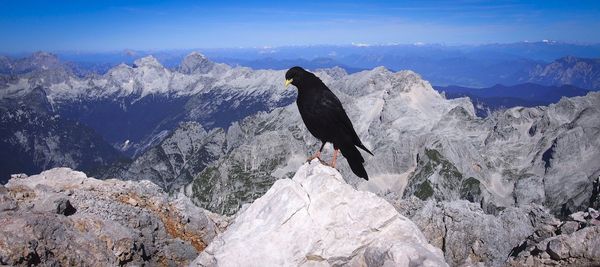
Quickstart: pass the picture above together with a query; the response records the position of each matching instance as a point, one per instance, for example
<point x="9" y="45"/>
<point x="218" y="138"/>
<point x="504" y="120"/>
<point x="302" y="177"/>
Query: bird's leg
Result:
<point x="317" y="155"/>
<point x="335" y="153"/>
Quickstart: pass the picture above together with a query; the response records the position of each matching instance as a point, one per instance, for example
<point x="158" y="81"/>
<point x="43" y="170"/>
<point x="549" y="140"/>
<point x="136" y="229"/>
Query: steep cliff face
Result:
<point x="62" y="217"/>
<point x="33" y="138"/>
<point x="174" y="161"/>
<point x="316" y="219"/>
<point x="269" y="146"/>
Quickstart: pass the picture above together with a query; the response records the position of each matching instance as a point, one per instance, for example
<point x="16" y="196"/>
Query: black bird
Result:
<point x="326" y="119"/>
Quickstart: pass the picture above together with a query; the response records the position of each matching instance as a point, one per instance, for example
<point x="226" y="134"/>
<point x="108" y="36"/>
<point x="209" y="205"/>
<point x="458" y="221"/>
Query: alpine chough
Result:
<point x="326" y="119"/>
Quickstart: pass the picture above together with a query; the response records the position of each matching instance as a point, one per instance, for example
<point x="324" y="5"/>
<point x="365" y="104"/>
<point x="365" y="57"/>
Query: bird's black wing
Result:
<point x="341" y="130"/>
<point x="337" y="115"/>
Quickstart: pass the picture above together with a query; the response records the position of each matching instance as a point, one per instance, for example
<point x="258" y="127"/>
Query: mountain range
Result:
<point x="199" y="90"/>
<point x="223" y="136"/>
<point x="442" y="64"/>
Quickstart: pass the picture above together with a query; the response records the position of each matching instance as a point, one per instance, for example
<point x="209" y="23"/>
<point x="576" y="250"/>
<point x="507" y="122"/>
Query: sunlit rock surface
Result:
<point x="316" y="219"/>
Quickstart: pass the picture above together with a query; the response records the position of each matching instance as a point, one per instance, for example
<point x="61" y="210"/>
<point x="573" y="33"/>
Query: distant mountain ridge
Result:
<point x="465" y="65"/>
<point x="581" y="72"/>
<point x="487" y="100"/>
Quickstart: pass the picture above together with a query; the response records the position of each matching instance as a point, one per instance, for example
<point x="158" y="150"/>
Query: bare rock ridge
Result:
<point x="316" y="219"/>
<point x="62" y="217"/>
<point x="517" y="236"/>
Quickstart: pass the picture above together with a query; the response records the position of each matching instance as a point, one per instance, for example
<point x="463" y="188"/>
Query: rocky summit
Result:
<point x="62" y="217"/>
<point x="316" y="219"/>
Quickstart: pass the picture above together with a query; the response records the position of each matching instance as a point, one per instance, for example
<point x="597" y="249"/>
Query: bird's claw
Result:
<point x="320" y="160"/>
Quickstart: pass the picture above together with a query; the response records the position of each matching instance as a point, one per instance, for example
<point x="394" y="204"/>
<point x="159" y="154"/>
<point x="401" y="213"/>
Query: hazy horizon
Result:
<point x="358" y="45"/>
<point x="105" y="26"/>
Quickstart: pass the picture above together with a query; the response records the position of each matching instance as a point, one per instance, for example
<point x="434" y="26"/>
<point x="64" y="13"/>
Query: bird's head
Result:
<point x="294" y="76"/>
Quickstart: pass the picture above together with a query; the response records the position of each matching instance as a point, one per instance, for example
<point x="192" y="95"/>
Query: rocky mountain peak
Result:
<point x="317" y="219"/>
<point x="568" y="59"/>
<point x="335" y="72"/>
<point x="43" y="58"/>
<point x="195" y="63"/>
<point x="149" y="61"/>
<point x="36" y="63"/>
<point x="409" y="80"/>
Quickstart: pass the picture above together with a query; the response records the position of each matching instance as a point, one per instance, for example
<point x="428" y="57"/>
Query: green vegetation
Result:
<point x="202" y="186"/>
<point x="433" y="161"/>
<point x="470" y="189"/>
<point x="425" y="191"/>
<point x="225" y="195"/>
<point x="448" y="169"/>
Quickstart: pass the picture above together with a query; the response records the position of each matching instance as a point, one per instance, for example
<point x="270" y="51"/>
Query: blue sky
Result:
<point x="147" y="25"/>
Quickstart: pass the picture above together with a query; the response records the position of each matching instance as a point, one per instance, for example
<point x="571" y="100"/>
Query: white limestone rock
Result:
<point x="316" y="219"/>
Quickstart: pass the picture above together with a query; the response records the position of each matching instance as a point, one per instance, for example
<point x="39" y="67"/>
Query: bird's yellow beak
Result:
<point x="288" y="82"/>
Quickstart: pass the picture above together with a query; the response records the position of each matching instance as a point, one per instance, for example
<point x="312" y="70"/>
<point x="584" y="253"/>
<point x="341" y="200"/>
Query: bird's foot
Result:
<point x="315" y="156"/>
<point x="309" y="159"/>
<point x="320" y="160"/>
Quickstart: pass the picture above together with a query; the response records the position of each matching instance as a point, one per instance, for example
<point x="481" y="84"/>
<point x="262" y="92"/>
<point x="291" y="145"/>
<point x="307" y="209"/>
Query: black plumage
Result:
<point x="326" y="119"/>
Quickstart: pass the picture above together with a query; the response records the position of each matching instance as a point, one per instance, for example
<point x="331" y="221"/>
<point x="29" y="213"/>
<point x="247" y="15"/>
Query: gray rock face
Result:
<point x="270" y="146"/>
<point x="579" y="248"/>
<point x="255" y="158"/>
<point x="467" y="235"/>
<point x="316" y="219"/>
<point x="174" y="162"/>
<point x="517" y="236"/>
<point x="575" y="243"/>
<point x="425" y="145"/>
<point x="62" y="217"/>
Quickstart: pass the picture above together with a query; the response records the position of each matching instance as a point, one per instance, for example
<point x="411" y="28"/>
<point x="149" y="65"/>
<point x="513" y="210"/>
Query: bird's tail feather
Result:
<point x="355" y="160"/>
<point x="364" y="148"/>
